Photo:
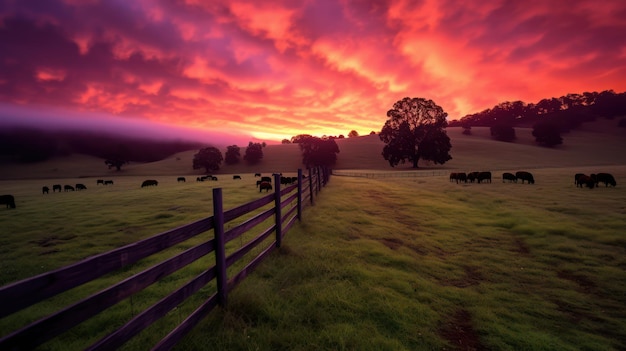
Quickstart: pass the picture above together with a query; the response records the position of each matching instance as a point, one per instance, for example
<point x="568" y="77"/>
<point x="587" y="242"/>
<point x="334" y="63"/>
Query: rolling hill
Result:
<point x="596" y="143"/>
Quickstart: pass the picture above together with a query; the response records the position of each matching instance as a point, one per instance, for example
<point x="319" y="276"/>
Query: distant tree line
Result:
<point x="22" y="144"/>
<point x="567" y="112"/>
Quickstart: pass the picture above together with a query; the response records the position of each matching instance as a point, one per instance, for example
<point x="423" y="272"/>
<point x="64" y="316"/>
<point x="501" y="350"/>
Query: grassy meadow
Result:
<point x="394" y="263"/>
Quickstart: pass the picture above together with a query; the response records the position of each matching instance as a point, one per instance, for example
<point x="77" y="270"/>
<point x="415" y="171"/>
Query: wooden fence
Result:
<point x="22" y="294"/>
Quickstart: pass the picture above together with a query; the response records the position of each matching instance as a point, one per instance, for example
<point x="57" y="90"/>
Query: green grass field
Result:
<point x="395" y="263"/>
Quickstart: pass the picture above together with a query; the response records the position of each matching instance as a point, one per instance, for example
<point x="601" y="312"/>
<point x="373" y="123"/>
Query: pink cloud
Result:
<point x="279" y="68"/>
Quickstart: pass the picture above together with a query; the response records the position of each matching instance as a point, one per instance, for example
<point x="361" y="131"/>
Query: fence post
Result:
<point x="319" y="180"/>
<point x="220" y="250"/>
<point x="311" y="185"/>
<point x="300" y="194"/>
<point x="279" y="224"/>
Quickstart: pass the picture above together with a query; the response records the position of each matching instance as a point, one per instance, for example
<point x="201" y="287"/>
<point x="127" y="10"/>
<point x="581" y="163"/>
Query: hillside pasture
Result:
<point x="419" y="264"/>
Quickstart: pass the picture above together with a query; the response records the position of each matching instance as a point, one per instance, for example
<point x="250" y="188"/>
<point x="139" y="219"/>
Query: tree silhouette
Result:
<point x="415" y="130"/>
<point x="232" y="155"/>
<point x="209" y="158"/>
<point x="353" y="133"/>
<point x="318" y="152"/>
<point x="254" y="153"/>
<point x="547" y="134"/>
<point x="114" y="162"/>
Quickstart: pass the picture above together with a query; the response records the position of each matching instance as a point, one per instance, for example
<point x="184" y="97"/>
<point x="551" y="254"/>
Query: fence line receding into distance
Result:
<point x="286" y="209"/>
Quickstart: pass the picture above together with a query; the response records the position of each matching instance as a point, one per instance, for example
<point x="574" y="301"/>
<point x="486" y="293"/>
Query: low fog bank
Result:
<point x="31" y="135"/>
<point x="52" y="119"/>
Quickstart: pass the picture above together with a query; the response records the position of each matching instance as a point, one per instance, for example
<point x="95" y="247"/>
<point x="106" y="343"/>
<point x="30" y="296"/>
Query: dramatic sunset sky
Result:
<point x="273" y="69"/>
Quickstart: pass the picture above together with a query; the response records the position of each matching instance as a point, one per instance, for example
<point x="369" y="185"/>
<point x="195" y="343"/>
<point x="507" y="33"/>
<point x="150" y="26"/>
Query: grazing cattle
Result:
<point x="525" y="176"/>
<point x="81" y="187"/>
<point x="509" y="176"/>
<point x="181" y="179"/>
<point x="285" y="180"/>
<point x="267" y="186"/>
<point x="258" y="182"/>
<point x="68" y="188"/>
<point x="472" y="176"/>
<point x="199" y="179"/>
<point x="585" y="180"/>
<point x="45" y="190"/>
<point x="8" y="200"/>
<point x="257" y="175"/>
<point x="458" y="177"/>
<point x="56" y="187"/>
<point x="605" y="178"/>
<point x="484" y="176"/>
<point x="213" y="178"/>
<point x="576" y="177"/>
<point x="266" y="179"/>
<point x="236" y="177"/>
<point x="100" y="181"/>
<point x="108" y="182"/>
<point x="294" y="179"/>
<point x="149" y="182"/>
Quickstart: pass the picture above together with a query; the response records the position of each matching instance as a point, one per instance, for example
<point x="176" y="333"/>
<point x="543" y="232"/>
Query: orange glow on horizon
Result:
<point x="276" y="69"/>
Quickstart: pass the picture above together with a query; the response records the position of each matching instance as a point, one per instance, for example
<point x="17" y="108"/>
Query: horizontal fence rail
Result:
<point x="286" y="210"/>
<point x="400" y="174"/>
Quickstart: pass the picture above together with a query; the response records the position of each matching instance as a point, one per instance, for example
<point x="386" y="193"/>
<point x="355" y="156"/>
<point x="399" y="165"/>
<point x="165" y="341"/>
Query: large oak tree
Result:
<point x="415" y="130"/>
<point x="209" y="158"/>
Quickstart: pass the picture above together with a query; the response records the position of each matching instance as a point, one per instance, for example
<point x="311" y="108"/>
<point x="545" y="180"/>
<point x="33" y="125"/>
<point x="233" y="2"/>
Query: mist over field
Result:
<point x="54" y="119"/>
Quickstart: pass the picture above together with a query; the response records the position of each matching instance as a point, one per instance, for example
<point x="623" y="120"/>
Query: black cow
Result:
<point x="45" y="190"/>
<point x="56" y="187"/>
<point x="605" y="178"/>
<point x="213" y="178"/>
<point x="100" y="181"/>
<point x="576" y="177"/>
<point x="472" y="176"/>
<point x="585" y="180"/>
<point x="8" y="200"/>
<point x="266" y="179"/>
<point x="181" y="179"/>
<point x="484" y="176"/>
<point x="81" y="187"/>
<point x="453" y="176"/>
<point x="68" y="188"/>
<point x="257" y="175"/>
<point x="236" y="177"/>
<point x="258" y="182"/>
<point x="108" y="182"/>
<point x="149" y="182"/>
<point x="267" y="186"/>
<point x="525" y="176"/>
<point x="509" y="176"/>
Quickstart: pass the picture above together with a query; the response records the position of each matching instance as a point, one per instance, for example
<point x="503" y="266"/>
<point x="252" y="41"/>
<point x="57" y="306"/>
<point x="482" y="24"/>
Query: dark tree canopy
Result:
<point x="353" y="133"/>
<point x="285" y="141"/>
<point x="115" y="162"/>
<point x="415" y="130"/>
<point x="232" y="155"/>
<point x="209" y="158"/>
<point x="503" y="132"/>
<point x="318" y="152"/>
<point x="547" y="134"/>
<point x="300" y="137"/>
<point x="254" y="153"/>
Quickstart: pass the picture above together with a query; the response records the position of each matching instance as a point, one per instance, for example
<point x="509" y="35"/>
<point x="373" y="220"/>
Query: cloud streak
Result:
<point x="275" y="69"/>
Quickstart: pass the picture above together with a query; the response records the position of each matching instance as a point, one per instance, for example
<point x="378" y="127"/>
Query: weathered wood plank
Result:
<point x="247" y="225"/>
<point x="239" y="253"/>
<point x="46" y="328"/>
<point x="234" y="281"/>
<point x="247" y="208"/>
<point x="32" y="290"/>
<point x="154" y="312"/>
<point x="177" y="333"/>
